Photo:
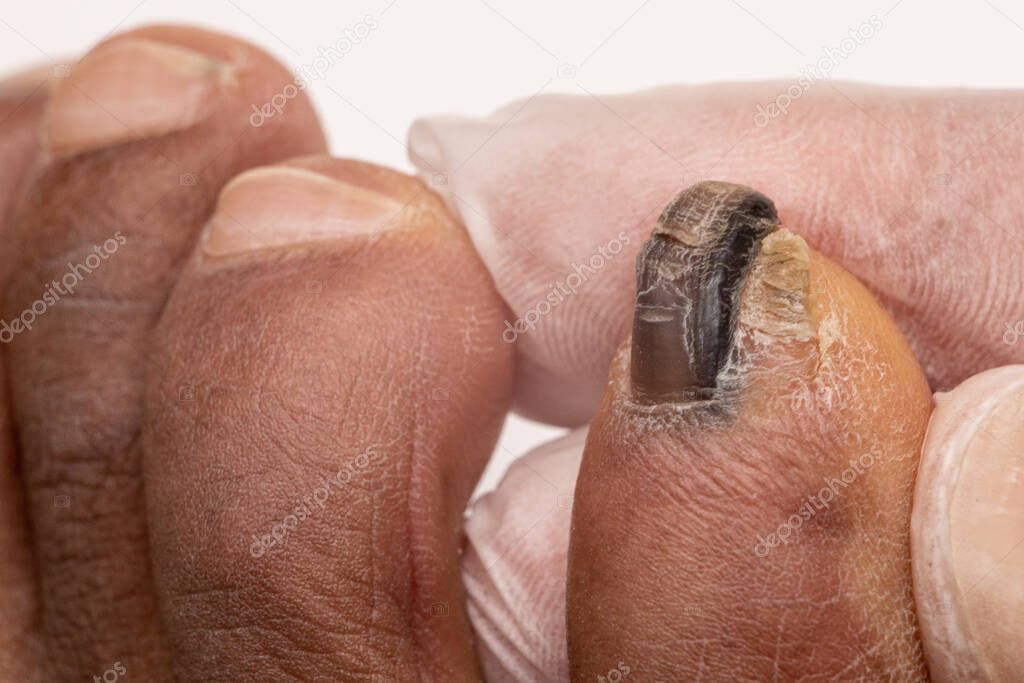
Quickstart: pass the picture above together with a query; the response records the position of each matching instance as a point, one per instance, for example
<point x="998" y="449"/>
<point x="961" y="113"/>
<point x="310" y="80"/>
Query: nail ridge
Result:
<point x="689" y="276"/>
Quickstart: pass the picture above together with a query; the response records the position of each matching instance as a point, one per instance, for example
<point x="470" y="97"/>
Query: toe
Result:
<point x="135" y="143"/>
<point x="743" y="506"/>
<point x="339" y="348"/>
<point x="21" y="104"/>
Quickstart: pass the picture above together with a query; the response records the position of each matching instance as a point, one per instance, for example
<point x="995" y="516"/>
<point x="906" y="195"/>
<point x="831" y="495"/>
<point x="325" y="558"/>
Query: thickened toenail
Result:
<point x="689" y="275"/>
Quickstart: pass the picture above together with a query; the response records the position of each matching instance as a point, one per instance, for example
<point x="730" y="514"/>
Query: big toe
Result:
<point x="743" y="506"/>
<point x="327" y="387"/>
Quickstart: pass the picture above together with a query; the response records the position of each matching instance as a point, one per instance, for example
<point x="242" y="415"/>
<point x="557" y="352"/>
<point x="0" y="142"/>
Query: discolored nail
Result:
<point x="128" y="90"/>
<point x="689" y="275"/>
<point x="284" y="205"/>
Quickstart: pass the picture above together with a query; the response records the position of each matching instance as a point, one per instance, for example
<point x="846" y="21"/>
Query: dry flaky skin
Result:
<point x="779" y="304"/>
<point x="668" y="572"/>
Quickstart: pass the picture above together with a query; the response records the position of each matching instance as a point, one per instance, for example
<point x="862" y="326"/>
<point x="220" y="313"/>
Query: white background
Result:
<point x="471" y="56"/>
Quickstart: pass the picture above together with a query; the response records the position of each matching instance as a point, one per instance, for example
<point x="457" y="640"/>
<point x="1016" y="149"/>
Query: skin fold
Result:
<point x="821" y="394"/>
<point x="896" y="184"/>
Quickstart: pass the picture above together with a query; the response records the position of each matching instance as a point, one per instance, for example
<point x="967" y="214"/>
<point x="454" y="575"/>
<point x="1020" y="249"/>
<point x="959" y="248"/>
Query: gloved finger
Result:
<point x="514" y="565"/>
<point x="968" y="531"/>
<point x="913" y="191"/>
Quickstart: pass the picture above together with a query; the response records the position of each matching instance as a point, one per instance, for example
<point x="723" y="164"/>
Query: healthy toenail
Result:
<point x="282" y="206"/>
<point x="130" y="90"/>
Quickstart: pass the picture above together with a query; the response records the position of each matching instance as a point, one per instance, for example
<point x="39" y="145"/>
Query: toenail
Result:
<point x="689" y="275"/>
<point x="128" y="90"/>
<point x="280" y="206"/>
